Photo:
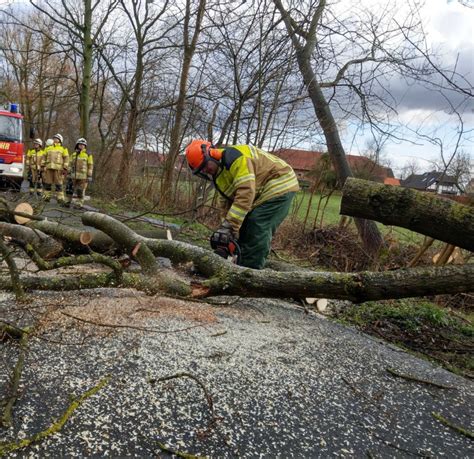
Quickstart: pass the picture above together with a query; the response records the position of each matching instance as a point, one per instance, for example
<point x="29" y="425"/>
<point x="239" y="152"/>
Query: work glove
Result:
<point x="223" y="235"/>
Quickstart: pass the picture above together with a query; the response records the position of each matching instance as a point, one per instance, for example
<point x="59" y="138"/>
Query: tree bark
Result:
<point x="71" y="237"/>
<point x="6" y="255"/>
<point x="87" y="55"/>
<point x="125" y="238"/>
<point x="357" y="287"/>
<point x="46" y="246"/>
<point x="425" y="213"/>
<point x="175" y="137"/>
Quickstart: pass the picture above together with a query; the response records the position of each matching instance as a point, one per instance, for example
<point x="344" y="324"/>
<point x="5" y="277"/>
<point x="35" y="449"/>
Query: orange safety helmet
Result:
<point x="198" y="153"/>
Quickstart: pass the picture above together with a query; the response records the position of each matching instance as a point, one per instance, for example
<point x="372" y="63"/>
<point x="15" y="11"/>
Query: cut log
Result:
<point x="46" y="246"/>
<point x="22" y="209"/>
<point x="124" y="237"/>
<point x="136" y="245"/>
<point x="85" y="238"/>
<point x="100" y="242"/>
<point x="423" y="212"/>
<point x="9" y="214"/>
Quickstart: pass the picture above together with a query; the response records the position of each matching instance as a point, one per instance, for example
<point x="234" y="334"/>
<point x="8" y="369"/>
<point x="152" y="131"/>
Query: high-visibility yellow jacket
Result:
<point x="249" y="177"/>
<point x="55" y="157"/>
<point x="82" y="165"/>
<point x="33" y="159"/>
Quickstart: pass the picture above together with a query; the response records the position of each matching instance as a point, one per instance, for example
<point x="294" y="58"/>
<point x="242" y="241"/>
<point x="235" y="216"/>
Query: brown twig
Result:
<point x="414" y="378"/>
<point x="219" y="334"/>
<point x="132" y="327"/>
<point x="194" y="378"/>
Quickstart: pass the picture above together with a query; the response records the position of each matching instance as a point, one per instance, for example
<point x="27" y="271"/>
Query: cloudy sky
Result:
<point x="450" y="28"/>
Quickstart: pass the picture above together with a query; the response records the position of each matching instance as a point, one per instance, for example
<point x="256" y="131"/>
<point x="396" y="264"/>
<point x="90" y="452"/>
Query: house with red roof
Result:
<point x="304" y="161"/>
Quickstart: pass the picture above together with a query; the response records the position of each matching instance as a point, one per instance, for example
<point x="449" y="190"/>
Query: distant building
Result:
<point x="304" y="161"/>
<point x="392" y="181"/>
<point x="433" y="182"/>
<point x="470" y="188"/>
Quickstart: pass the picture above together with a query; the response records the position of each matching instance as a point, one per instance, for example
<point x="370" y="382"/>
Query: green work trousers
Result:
<point x="258" y="228"/>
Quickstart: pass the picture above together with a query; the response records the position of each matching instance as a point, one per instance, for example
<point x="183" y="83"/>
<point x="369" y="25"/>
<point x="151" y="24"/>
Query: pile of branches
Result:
<point x="339" y="248"/>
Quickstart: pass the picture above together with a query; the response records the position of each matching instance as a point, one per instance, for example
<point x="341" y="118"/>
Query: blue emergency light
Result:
<point x="13" y="108"/>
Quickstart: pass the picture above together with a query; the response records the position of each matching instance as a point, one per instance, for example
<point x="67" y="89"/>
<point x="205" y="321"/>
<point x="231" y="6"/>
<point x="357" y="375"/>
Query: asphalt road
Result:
<point x="279" y="382"/>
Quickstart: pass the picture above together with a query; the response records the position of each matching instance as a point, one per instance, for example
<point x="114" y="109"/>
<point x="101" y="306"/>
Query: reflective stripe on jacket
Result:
<point x="82" y="165"/>
<point x="55" y="157"/>
<point x="33" y="159"/>
<point x="249" y="177"/>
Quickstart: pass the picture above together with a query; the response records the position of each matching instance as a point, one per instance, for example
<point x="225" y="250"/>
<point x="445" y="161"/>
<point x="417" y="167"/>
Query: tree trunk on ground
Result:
<point x="46" y="246"/>
<point x="221" y="277"/>
<point x="425" y="213"/>
<point x="233" y="280"/>
<point x="100" y="242"/>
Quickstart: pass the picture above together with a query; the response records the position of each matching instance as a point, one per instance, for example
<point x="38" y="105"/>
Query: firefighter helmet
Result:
<point x="196" y="153"/>
<point x="81" y="141"/>
<point x="199" y="152"/>
<point x="38" y="142"/>
<point x="59" y="137"/>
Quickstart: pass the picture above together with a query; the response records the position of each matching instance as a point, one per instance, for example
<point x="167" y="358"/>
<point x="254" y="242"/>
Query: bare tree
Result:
<point x="190" y="38"/>
<point x="304" y="41"/>
<point x="41" y="73"/>
<point x="76" y="20"/>
<point x="411" y="167"/>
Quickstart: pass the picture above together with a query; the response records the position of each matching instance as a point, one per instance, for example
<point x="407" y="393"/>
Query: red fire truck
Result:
<point x="11" y="146"/>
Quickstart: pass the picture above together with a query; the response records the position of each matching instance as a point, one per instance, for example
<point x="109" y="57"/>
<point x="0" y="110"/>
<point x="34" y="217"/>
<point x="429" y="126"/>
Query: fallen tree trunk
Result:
<point x="46" y="246"/>
<point x="223" y="277"/>
<point x="100" y="242"/>
<point x="124" y="237"/>
<point x="134" y="244"/>
<point x="425" y="213"/>
<point x="357" y="287"/>
<point x="64" y="283"/>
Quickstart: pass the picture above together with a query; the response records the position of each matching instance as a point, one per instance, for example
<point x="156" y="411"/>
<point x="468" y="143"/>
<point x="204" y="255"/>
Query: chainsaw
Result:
<point x="230" y="250"/>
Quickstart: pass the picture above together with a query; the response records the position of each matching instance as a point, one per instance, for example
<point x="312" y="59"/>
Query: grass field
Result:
<point x="328" y="214"/>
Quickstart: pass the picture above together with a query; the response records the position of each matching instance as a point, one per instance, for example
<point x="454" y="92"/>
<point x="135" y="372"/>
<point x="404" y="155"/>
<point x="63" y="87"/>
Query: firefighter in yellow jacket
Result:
<point x="54" y="166"/>
<point x="33" y="167"/>
<point x="257" y="190"/>
<point x="82" y="166"/>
